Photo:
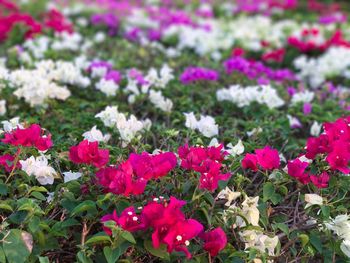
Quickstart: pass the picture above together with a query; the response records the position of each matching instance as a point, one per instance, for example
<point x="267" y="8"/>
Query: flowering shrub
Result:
<point x="174" y="131"/>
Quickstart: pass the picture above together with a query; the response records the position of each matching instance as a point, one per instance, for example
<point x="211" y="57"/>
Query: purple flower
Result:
<point x="113" y="75"/>
<point x="307" y="108"/>
<point x="192" y="74"/>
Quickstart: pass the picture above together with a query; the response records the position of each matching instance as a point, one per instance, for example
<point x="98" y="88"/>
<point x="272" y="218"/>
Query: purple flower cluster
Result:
<point x="113" y="75"/>
<point x="109" y="19"/>
<point x="257" y="70"/>
<point x="192" y="74"/>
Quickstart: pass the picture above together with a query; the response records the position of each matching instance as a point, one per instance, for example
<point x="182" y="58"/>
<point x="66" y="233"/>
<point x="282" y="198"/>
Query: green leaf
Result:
<point x="86" y="206"/>
<point x="38" y="195"/>
<point x="99" y="238"/>
<point x="128" y="236"/>
<point x="6" y="207"/>
<point x="83" y="258"/>
<point x="44" y="260"/>
<point x="316" y="241"/>
<point x="304" y="239"/>
<point x="17" y="246"/>
<point x="268" y="191"/>
<point x="112" y="255"/>
<point x="160" y="252"/>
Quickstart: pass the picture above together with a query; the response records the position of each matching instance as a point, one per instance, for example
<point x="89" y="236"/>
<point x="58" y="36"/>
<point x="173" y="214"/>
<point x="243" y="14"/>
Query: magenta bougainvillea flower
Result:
<point x="88" y="153"/>
<point x="267" y="158"/>
<point x="33" y="136"/>
<point x="121" y="180"/>
<point x="150" y="166"/>
<point x="206" y="161"/>
<point x="214" y="241"/>
<point x="168" y="224"/>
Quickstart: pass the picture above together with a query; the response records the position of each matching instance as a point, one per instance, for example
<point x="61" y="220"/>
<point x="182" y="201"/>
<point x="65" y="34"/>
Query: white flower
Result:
<point x="313" y="199"/>
<point x="95" y="135"/>
<point x="70" y="176"/>
<point x="238" y="149"/>
<point x="39" y="168"/>
<point x="266" y="242"/>
<point x="229" y="195"/>
<point x="207" y="126"/>
<point x="345" y="247"/>
<point x="50" y="197"/>
<point x="191" y="121"/>
<point x="304" y="96"/>
<point x="108" y="87"/>
<point x="242" y="97"/>
<point x="109" y="116"/>
<point x="315" y="129"/>
<point x="2" y="107"/>
<point x="254" y="131"/>
<point x="160" y="101"/>
<point x="249" y="211"/>
<point x="340" y="225"/>
<point x="127" y="128"/>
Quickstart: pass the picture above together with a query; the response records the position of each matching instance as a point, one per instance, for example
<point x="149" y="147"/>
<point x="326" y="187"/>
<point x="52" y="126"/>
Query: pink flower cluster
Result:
<point x="267" y="158"/>
<point x="53" y="19"/>
<point x="207" y="162"/>
<point x="307" y="42"/>
<point x="33" y="136"/>
<point x="296" y="169"/>
<point x="56" y="21"/>
<point x="193" y="74"/>
<point x="88" y="153"/>
<point x="169" y="225"/>
<point x="7" y="161"/>
<point x="131" y="176"/>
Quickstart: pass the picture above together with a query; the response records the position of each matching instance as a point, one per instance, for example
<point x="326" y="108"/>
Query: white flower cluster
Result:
<point x="39" y="167"/>
<point x="128" y="128"/>
<point x="216" y="39"/>
<point x="205" y="125"/>
<point x="95" y="135"/>
<point x="159" y="101"/>
<point x="154" y="79"/>
<point x="334" y="62"/>
<point x="340" y="225"/>
<point x="42" y="83"/>
<point x="247" y="212"/>
<point x="108" y="87"/>
<point x="2" y="107"/>
<point x="303" y="96"/>
<point x="62" y="41"/>
<point x="244" y="96"/>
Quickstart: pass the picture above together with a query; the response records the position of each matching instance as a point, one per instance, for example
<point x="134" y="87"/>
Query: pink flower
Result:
<point x="315" y="146"/>
<point x="178" y="237"/>
<point x="250" y="161"/>
<point x="109" y="217"/>
<point x="268" y="158"/>
<point x="128" y="220"/>
<point x="214" y="241"/>
<point x="152" y="166"/>
<point x="6" y="161"/>
<point x="29" y="137"/>
<point x="339" y="157"/>
<point x="296" y="169"/>
<point x="320" y="181"/>
<point x="121" y="180"/>
<point x="88" y="153"/>
<point x="56" y="20"/>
